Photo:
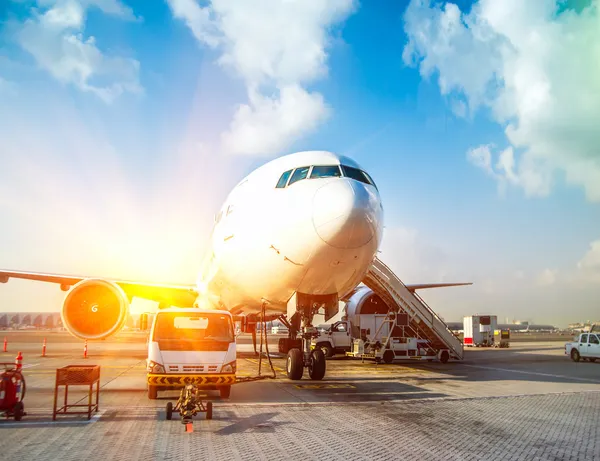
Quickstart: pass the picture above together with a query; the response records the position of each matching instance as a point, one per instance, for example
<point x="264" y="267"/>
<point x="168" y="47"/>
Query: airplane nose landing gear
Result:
<point x="316" y="365"/>
<point x="313" y="360"/>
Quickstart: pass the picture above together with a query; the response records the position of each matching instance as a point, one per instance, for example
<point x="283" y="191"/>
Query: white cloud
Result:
<point x="268" y="123"/>
<point x="589" y="266"/>
<point x="277" y="48"/>
<point x="535" y="68"/>
<point x="547" y="277"/>
<point x="54" y="38"/>
<point x="413" y="258"/>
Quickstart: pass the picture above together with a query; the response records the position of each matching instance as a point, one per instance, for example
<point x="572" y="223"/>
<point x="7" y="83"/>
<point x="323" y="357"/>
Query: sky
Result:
<point x="123" y="125"/>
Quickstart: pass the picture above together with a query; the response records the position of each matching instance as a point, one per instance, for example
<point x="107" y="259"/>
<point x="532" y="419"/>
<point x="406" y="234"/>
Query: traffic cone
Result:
<point x="85" y="350"/>
<point x="5" y="344"/>
<point x="44" y="348"/>
<point x="19" y="361"/>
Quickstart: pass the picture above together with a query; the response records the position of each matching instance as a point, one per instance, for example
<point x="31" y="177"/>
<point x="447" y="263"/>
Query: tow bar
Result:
<point x="189" y="405"/>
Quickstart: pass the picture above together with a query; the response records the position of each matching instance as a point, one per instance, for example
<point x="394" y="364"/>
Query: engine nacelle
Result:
<point x="95" y="309"/>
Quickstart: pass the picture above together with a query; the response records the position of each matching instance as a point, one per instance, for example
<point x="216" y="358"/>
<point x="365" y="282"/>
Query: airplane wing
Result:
<point x="423" y="286"/>
<point x="178" y="295"/>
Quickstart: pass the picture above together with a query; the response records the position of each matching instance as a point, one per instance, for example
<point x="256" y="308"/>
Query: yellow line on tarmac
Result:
<point x="267" y="364"/>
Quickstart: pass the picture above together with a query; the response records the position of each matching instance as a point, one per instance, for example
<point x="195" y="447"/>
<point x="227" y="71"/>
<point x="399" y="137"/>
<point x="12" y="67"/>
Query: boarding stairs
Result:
<point x="423" y="320"/>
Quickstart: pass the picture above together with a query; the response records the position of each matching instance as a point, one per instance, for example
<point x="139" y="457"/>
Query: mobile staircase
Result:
<point x="424" y="322"/>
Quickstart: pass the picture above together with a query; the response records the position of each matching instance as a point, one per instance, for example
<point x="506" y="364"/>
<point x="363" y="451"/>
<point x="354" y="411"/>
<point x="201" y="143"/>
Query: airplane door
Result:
<point x="593" y="346"/>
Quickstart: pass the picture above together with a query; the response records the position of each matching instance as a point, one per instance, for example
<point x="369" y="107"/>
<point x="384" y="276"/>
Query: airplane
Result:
<point x="307" y="224"/>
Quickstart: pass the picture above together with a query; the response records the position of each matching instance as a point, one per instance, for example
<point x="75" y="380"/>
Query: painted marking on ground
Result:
<point x="324" y="386"/>
<point x="265" y="364"/>
<point x="24" y="423"/>
<point x="536" y="373"/>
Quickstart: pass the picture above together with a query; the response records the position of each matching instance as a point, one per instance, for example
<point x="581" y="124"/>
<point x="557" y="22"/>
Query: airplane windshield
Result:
<point x="190" y="326"/>
<point x="327" y="171"/>
<point x="283" y="180"/>
<point x="357" y="174"/>
<point x="324" y="171"/>
<point x="300" y="173"/>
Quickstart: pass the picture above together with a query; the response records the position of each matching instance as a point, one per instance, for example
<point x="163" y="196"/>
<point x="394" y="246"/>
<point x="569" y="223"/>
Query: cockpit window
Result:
<point x="283" y="180"/>
<point x="357" y="174"/>
<point x="300" y="173"/>
<point x="325" y="171"/>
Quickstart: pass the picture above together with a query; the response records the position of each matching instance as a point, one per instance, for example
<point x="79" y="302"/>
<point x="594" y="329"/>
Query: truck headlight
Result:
<point x="154" y="367"/>
<point x="229" y="367"/>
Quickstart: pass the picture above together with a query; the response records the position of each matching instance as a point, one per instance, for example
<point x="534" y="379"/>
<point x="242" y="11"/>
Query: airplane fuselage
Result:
<point x="276" y="234"/>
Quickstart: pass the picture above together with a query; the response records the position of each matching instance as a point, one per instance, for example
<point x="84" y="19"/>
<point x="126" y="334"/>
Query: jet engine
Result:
<point x="95" y="309"/>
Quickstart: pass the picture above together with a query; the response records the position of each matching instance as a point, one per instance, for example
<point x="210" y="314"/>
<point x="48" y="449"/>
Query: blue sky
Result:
<point x="116" y="153"/>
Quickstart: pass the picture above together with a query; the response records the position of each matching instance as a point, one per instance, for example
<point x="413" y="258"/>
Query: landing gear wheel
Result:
<point x="225" y="392"/>
<point x="575" y="355"/>
<point x="388" y="356"/>
<point x="18" y="411"/>
<point x="444" y="357"/>
<point x="316" y="366"/>
<point x="169" y="411"/>
<point x="209" y="410"/>
<point x="295" y="364"/>
<point x="152" y="392"/>
<point x="327" y="350"/>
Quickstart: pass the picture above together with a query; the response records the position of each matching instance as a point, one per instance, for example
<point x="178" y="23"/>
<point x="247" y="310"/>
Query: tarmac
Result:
<point x="529" y="401"/>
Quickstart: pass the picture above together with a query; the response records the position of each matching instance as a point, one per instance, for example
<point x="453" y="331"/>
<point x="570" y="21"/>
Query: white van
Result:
<point x="191" y="346"/>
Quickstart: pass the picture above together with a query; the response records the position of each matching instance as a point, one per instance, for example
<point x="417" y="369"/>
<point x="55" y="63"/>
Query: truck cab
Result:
<point x="586" y="346"/>
<point x="191" y="346"/>
<point x="334" y="339"/>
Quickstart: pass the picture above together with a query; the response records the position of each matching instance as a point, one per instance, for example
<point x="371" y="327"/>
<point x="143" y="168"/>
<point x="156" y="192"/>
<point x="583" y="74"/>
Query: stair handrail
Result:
<point x="379" y="272"/>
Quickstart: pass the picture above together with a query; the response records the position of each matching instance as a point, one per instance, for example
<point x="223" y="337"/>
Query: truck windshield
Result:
<point x="186" y="325"/>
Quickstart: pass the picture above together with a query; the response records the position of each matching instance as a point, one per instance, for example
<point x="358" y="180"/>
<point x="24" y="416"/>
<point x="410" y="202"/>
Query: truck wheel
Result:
<point x="575" y="355"/>
<point x="327" y="349"/>
<point x="295" y="364"/>
<point x="388" y="356"/>
<point x="18" y="411"/>
<point x="225" y="392"/>
<point x="152" y="392"/>
<point x="444" y="357"/>
<point x="316" y="367"/>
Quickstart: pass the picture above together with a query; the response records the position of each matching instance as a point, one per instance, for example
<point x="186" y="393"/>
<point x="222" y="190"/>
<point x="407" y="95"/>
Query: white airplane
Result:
<point x="308" y="223"/>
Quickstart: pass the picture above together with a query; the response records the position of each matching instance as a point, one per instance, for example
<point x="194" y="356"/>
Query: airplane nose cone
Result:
<point x="346" y="213"/>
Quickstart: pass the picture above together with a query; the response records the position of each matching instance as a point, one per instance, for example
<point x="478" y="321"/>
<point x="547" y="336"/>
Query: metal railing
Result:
<point x="384" y="279"/>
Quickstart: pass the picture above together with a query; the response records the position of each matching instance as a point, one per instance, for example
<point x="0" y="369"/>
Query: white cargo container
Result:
<point x="479" y="330"/>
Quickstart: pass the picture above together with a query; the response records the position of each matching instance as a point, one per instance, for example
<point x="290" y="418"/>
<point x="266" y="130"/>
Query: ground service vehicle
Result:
<point x="479" y="330"/>
<point x="586" y="347"/>
<point x="335" y="339"/>
<point x="387" y="338"/>
<point x="502" y="338"/>
<point x="191" y="346"/>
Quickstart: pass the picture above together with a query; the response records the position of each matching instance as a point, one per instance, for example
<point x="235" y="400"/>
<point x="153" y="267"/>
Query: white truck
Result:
<point x="586" y="347"/>
<point x="334" y="339"/>
<point x="479" y="330"/>
<point x="191" y="346"/>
